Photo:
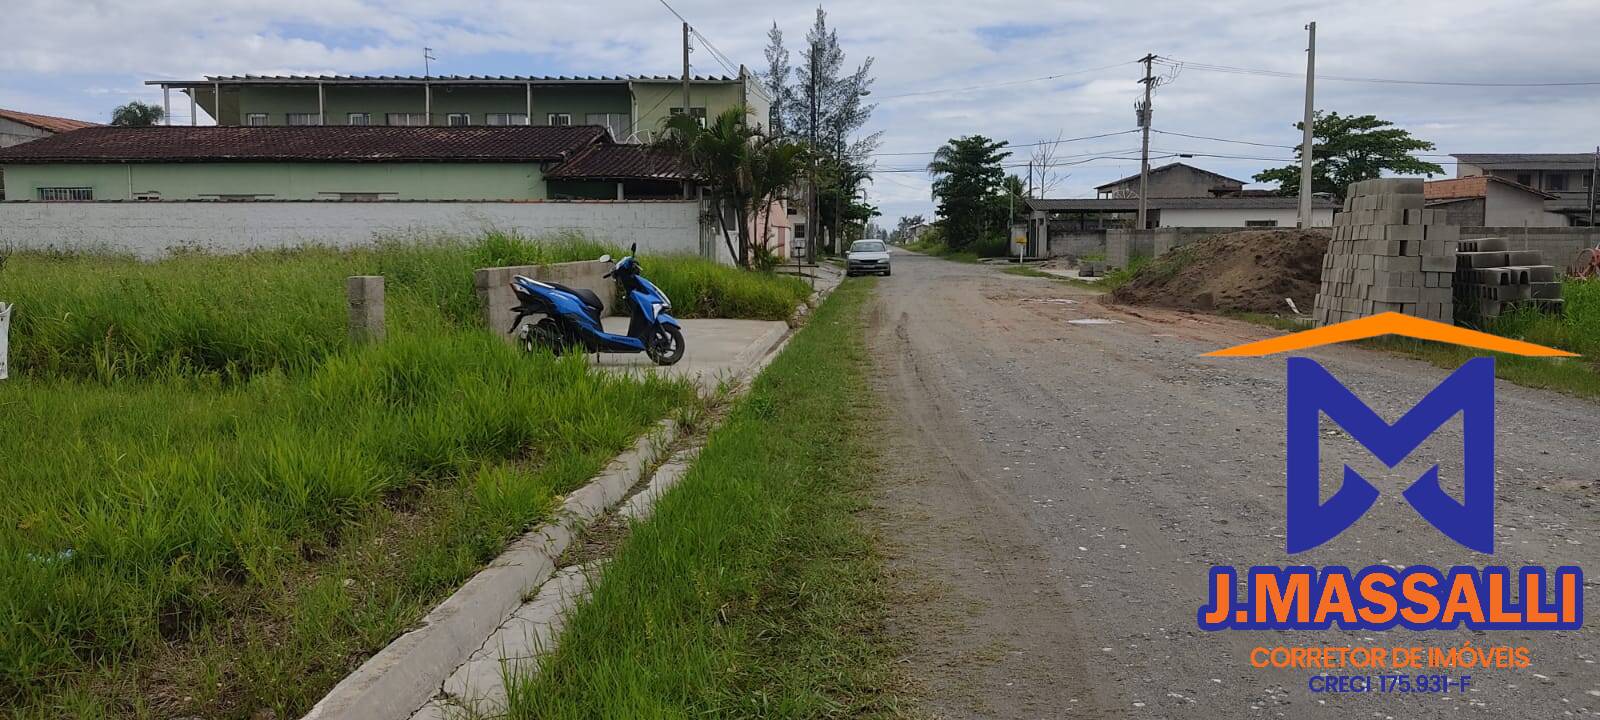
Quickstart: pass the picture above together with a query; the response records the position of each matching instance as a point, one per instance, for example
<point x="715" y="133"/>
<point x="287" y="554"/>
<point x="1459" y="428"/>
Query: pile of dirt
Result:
<point x="1248" y="271"/>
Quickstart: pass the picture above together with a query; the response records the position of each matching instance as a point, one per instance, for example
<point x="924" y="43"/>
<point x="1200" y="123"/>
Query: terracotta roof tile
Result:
<point x="619" y="162"/>
<point x="329" y="143"/>
<point x="1474" y="186"/>
<point x="45" y="122"/>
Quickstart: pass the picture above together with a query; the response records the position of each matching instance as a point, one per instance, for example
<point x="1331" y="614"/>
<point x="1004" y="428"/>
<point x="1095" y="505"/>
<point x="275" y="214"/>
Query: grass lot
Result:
<point x="212" y="505"/>
<point x="753" y="591"/>
<point x="1027" y="271"/>
<point x="108" y="317"/>
<point x="1577" y="330"/>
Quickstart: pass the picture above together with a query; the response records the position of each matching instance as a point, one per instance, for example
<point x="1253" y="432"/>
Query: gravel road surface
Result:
<point x="1055" y="494"/>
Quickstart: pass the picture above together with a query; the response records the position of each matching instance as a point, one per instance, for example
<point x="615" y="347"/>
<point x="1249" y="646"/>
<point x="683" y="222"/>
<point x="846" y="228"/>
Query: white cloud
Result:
<point x="76" y="58"/>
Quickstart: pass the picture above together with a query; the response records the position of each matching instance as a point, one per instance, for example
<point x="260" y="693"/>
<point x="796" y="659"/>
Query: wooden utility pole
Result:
<point x="814" y="209"/>
<point x="1305" y="143"/>
<point x="1144" y="151"/>
<point x="686" y="110"/>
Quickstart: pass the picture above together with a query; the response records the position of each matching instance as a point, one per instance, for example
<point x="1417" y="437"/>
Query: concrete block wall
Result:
<point x="1122" y="245"/>
<point x="1388" y="254"/>
<point x="1558" y="244"/>
<point x="151" y="230"/>
<point x="493" y="286"/>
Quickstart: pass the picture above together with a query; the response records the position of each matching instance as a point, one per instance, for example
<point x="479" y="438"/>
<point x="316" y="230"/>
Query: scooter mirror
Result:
<point x="633" y="249"/>
<point x="605" y="258"/>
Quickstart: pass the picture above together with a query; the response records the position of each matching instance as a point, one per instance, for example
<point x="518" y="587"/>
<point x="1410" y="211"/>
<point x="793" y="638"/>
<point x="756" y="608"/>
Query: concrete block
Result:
<point x="1524" y="257"/>
<point x="1384" y="293"/>
<point x="1448" y="233"/>
<point x="1392" y="264"/>
<point x="493" y="286"/>
<point x="1545" y="290"/>
<point x="1481" y="259"/>
<point x="1408" y="233"/>
<point x="365" y="297"/>
<point x="1438" y="263"/>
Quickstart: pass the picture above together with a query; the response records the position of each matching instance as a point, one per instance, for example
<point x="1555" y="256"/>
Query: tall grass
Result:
<point x="236" y="316"/>
<point x="130" y="513"/>
<point x="752" y="591"/>
<point x="1576" y="329"/>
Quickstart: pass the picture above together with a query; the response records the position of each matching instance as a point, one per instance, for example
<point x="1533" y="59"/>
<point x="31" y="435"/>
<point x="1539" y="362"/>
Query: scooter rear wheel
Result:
<point x="666" y="348"/>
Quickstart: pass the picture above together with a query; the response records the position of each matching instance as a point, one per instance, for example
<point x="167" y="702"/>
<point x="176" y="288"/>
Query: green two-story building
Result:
<point x="631" y="107"/>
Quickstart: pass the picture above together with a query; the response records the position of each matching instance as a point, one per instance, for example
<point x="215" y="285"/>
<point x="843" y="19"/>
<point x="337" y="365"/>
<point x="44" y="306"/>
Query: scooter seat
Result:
<point x="586" y="295"/>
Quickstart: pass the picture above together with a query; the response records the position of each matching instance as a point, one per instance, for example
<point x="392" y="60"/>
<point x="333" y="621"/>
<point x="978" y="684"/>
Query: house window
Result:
<point x="1525" y="179"/>
<point x="359" y="196"/>
<point x="1261" y="223"/>
<point x="148" y="196"/>
<point x="406" y="119"/>
<point x="699" y="113"/>
<point x="1555" y="182"/>
<point x="800" y="231"/>
<point x="617" y="123"/>
<point x="360" y="118"/>
<point x="506" y="119"/>
<point x="457" y="119"/>
<point x="558" y="119"/>
<point x="66" y="194"/>
<point x="302" y="119"/>
<point x="255" y="119"/>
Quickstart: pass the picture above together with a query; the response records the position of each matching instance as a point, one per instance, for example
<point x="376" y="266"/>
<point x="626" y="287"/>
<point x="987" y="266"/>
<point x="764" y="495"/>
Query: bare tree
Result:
<point x="1046" y="176"/>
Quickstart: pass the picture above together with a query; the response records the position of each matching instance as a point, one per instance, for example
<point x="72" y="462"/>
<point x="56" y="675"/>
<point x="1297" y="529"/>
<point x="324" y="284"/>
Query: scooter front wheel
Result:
<point x="666" y="348"/>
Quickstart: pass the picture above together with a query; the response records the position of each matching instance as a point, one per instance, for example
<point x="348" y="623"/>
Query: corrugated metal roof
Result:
<point x="620" y="162"/>
<point x="1528" y="161"/>
<point x="440" y="79"/>
<point x="1212" y="203"/>
<point x="329" y="143"/>
<point x="45" y="122"/>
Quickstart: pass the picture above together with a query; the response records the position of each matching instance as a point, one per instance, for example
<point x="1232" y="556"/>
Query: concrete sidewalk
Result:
<point x="717" y="349"/>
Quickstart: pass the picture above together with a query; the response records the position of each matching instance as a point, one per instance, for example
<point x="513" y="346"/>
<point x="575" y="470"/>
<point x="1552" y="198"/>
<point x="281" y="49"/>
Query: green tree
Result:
<point x="137" y="114"/>
<point x="1351" y="148"/>
<point x="776" y="82"/>
<point x="968" y="185"/>
<point x="744" y="168"/>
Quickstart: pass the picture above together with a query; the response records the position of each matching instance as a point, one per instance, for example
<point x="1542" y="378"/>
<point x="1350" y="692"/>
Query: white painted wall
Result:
<point x="1510" y="207"/>
<point x="150" y="229"/>
<point x="1236" y="217"/>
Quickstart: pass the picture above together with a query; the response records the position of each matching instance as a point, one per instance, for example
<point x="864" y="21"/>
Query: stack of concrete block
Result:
<point x="1388" y="254"/>
<point x="1491" y="279"/>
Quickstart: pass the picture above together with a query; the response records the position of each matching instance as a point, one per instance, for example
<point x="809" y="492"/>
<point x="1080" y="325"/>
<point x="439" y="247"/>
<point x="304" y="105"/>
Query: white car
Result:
<point x="867" y="257"/>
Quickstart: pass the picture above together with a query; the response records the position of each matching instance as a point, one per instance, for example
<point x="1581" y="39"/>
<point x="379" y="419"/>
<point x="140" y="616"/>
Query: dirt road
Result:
<point x="1056" y="493"/>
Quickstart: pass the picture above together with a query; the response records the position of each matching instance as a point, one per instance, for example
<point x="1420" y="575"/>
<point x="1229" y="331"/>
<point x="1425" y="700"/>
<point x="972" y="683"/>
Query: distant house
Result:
<point x="339" y="163"/>
<point x="1567" y="176"/>
<point x="631" y="107"/>
<point x="1174" y="180"/>
<point x="1493" y="201"/>
<point x="1082" y="214"/>
<point x="20" y="127"/>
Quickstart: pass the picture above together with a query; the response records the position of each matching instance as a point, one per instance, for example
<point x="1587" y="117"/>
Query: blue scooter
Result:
<point x="572" y="316"/>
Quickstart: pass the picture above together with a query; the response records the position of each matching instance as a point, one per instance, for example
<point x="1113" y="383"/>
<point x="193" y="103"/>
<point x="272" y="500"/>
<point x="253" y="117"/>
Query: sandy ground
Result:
<point x="1056" y="493"/>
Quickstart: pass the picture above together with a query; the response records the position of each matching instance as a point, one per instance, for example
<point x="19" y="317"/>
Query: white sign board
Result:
<point x="5" y="330"/>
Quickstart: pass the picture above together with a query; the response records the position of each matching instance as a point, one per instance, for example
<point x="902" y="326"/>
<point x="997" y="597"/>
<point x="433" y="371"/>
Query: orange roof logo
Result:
<point x="1389" y="323"/>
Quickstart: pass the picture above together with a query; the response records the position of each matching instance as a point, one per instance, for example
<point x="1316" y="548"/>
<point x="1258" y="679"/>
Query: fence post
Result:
<point x="365" y="296"/>
<point x="5" y="331"/>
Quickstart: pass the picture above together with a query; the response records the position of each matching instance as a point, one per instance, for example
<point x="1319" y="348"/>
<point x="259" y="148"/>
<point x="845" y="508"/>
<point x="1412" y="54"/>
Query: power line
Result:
<point x="1229" y="69"/>
<point x="1226" y="140"/>
<point x="1005" y="83"/>
<point x="1020" y="145"/>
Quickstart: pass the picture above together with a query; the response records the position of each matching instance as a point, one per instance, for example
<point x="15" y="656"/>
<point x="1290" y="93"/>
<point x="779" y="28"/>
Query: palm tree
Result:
<point x="137" y="114"/>
<point x="744" y="168"/>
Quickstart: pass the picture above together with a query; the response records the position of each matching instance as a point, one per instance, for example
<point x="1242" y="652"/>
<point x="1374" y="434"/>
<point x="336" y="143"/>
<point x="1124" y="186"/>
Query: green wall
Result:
<point x="285" y="181"/>
<point x="651" y="102"/>
<point x="341" y="100"/>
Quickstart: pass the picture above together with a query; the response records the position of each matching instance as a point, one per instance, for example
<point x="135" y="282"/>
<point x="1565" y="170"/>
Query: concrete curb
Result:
<point x="458" y="659"/>
<point x="406" y="674"/>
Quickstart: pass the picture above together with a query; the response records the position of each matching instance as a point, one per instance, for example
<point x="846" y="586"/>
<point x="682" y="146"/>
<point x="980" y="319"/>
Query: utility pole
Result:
<point x="814" y="211"/>
<point x="1594" y="177"/>
<point x="427" y="57"/>
<point x="686" y="110"/>
<point x="1305" y="144"/>
<point x="1144" y="151"/>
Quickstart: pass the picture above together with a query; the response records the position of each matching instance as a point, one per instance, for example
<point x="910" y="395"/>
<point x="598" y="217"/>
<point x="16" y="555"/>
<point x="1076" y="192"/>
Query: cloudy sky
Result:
<point x="944" y="67"/>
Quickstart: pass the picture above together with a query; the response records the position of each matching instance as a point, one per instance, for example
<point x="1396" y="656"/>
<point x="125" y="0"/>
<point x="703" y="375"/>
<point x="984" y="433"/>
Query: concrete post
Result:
<point x="365" y="296"/>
